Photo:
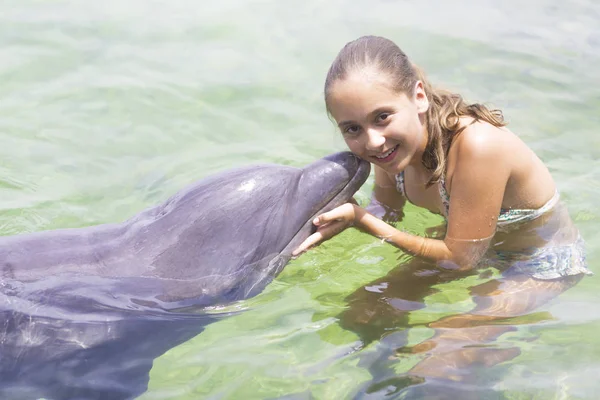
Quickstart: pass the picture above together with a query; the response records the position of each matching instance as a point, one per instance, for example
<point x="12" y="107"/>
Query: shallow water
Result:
<point x="111" y="107"/>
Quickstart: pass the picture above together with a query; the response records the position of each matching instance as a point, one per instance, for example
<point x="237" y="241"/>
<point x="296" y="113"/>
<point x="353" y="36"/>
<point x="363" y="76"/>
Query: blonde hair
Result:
<point x="445" y="108"/>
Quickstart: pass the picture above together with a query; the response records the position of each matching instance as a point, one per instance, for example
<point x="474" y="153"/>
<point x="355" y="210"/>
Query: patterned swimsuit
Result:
<point x="548" y="262"/>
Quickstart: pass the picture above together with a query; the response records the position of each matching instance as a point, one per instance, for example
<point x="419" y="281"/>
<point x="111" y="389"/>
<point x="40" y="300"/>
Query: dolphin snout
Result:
<point x="334" y="179"/>
<point x="357" y="168"/>
<point x="346" y="159"/>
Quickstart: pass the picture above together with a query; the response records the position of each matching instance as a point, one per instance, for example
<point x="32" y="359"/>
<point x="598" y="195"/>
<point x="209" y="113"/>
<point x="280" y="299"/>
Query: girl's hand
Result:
<point x="328" y="225"/>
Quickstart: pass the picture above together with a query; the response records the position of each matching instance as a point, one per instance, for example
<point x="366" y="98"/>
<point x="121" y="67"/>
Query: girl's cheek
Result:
<point x="354" y="145"/>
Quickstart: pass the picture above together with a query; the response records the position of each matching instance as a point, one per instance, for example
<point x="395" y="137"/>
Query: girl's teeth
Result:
<point x="387" y="153"/>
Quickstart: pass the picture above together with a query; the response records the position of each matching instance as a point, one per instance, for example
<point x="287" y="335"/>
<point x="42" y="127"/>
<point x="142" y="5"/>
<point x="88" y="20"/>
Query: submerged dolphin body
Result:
<point x="83" y="312"/>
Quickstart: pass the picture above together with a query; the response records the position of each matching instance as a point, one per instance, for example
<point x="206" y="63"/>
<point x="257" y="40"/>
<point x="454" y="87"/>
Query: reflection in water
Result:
<point x="462" y="345"/>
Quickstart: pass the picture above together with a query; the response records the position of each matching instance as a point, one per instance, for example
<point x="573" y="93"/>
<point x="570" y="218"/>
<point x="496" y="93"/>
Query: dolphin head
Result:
<point x="226" y="237"/>
<point x="322" y="186"/>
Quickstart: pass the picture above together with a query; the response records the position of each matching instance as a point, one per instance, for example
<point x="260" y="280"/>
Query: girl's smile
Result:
<point x="388" y="155"/>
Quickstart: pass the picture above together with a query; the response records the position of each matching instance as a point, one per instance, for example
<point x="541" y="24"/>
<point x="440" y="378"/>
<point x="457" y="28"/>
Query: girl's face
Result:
<point x="378" y="124"/>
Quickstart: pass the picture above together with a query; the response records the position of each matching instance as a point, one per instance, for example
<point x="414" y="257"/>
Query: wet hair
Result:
<point x="445" y="108"/>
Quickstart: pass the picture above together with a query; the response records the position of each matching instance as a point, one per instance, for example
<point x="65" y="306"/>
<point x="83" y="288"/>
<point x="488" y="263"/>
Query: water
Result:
<point x="110" y="107"/>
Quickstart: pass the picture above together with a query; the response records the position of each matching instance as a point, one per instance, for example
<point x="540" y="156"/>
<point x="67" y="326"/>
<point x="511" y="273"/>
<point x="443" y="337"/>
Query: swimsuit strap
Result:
<point x="507" y="215"/>
<point x="444" y="195"/>
<point x="512" y="215"/>
<point x="400" y="186"/>
<point x="400" y="183"/>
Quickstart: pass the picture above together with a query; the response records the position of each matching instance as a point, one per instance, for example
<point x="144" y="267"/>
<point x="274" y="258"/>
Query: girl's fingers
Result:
<point x="338" y="213"/>
<point x="323" y="218"/>
<point x="324" y="233"/>
<point x="309" y="242"/>
<point x="328" y="225"/>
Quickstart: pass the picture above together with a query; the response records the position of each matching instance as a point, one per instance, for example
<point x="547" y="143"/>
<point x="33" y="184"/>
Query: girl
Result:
<point x="459" y="160"/>
<point x="434" y="150"/>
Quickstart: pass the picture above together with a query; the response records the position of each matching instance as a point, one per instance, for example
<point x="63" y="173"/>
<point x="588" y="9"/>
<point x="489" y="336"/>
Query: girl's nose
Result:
<point x="375" y="139"/>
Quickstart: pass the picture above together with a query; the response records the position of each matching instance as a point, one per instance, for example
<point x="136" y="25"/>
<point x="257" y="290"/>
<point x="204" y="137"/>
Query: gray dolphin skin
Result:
<point x="84" y="312"/>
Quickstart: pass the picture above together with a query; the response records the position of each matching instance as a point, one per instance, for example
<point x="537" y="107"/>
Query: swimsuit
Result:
<point x="507" y="215"/>
<point x="549" y="262"/>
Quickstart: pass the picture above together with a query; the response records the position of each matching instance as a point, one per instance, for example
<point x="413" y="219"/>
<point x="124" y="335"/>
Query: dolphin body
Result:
<point x="84" y="312"/>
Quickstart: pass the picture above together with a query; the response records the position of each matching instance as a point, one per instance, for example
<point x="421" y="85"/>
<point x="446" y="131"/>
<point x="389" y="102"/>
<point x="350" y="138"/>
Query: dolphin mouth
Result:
<point x="343" y="196"/>
<point x="346" y="193"/>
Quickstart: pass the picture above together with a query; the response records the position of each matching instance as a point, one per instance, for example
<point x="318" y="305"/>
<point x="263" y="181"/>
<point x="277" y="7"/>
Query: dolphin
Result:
<point x="84" y="312"/>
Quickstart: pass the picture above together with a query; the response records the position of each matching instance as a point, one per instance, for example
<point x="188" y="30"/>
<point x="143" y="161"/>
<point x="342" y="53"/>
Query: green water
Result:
<point x="110" y="107"/>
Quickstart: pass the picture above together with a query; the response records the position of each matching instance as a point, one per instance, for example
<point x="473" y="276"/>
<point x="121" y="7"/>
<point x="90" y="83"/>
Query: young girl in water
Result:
<point x="452" y="158"/>
<point x="431" y="148"/>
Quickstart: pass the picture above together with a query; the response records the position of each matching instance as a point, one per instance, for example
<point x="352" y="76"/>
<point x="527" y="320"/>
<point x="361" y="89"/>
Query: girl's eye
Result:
<point x="352" y="130"/>
<point x="382" y="117"/>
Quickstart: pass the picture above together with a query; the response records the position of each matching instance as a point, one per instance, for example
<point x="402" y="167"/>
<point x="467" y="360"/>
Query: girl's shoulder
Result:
<point x="482" y="139"/>
<point x="485" y="148"/>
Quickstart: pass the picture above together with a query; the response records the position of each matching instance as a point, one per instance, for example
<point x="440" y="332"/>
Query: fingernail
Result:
<point x="316" y="221"/>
